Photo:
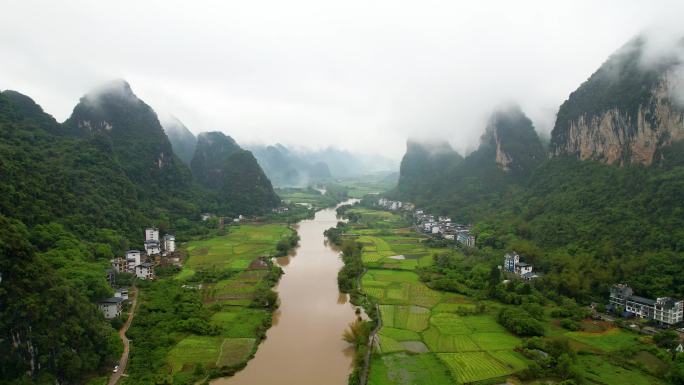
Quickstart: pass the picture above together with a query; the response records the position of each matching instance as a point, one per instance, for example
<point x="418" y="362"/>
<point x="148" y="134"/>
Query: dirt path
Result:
<point x="122" y="333"/>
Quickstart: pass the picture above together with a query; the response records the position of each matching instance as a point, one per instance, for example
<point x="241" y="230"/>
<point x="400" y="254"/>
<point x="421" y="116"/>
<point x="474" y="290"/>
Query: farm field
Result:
<point x="361" y="186"/>
<point x="305" y="196"/>
<point x="417" y="319"/>
<point x="226" y="293"/>
<point x="427" y="338"/>
<point x="236" y="250"/>
<point x="600" y="371"/>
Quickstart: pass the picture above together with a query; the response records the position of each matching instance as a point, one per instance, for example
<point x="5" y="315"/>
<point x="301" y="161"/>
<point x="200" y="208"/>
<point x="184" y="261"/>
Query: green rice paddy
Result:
<point x="228" y="298"/>
<point x="460" y="349"/>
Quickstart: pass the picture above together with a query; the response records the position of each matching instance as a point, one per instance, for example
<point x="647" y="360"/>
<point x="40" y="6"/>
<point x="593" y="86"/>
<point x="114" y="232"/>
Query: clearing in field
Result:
<point x="610" y="340"/>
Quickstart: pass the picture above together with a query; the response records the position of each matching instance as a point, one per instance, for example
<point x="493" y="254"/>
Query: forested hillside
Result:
<point x="598" y="211"/>
<point x="234" y="178"/>
<point x="75" y="195"/>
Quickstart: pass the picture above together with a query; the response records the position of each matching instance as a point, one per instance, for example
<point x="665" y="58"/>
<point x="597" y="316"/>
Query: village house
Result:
<point x="463" y="237"/>
<point x="145" y="270"/>
<point x="133" y="259"/>
<point x="152" y="246"/>
<point x="513" y="264"/>
<point x="663" y="309"/>
<point x="169" y="244"/>
<point x="111" y="307"/>
<point x="119" y="265"/>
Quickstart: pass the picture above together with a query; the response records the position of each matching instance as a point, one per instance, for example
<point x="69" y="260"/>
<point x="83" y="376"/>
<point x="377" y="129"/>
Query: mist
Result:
<point x="358" y="75"/>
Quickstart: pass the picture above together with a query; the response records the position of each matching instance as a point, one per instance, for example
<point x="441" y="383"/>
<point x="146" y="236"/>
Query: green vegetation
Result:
<point x="359" y="187"/>
<point x="83" y="191"/>
<point x="208" y="320"/>
<point x="312" y="197"/>
<point x="452" y="319"/>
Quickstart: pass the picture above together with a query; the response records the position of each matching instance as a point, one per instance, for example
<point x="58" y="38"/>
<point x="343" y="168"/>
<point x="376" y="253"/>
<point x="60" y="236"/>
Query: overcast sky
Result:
<point x="361" y="75"/>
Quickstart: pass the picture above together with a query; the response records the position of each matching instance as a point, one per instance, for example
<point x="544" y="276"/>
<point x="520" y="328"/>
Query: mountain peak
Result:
<point x="625" y="112"/>
<point x="182" y="140"/>
<point x="511" y="135"/>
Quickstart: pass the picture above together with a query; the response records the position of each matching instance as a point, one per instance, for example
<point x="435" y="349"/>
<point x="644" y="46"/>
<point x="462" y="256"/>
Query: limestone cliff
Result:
<point x="511" y="137"/>
<point x="624" y="113"/>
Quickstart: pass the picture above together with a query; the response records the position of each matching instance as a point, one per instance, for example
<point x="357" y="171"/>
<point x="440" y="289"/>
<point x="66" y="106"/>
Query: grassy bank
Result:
<point x="208" y="319"/>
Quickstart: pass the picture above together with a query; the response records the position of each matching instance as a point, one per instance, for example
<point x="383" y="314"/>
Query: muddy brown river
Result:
<point x="305" y="344"/>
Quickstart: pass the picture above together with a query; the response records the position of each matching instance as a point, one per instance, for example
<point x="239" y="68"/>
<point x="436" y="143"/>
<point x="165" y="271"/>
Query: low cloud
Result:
<point x="360" y="75"/>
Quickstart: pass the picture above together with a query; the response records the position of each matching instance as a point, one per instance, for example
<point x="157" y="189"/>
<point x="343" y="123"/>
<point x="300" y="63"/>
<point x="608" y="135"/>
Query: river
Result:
<point x="304" y="345"/>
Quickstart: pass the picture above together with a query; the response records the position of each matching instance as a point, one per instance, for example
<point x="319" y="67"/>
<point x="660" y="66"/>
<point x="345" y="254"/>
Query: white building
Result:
<point x="133" y="259"/>
<point x="663" y="309"/>
<point x="111" y="307"/>
<point x="169" y="243"/>
<point x="121" y="292"/>
<point x="152" y="234"/>
<point x="152" y="248"/>
<point x="523" y="268"/>
<point x="145" y="271"/>
<point x="464" y="238"/>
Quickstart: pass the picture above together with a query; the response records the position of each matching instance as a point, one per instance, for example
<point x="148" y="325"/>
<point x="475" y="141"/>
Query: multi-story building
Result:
<point x="465" y="238"/>
<point x="510" y="261"/>
<point x="662" y="309"/>
<point x="152" y="234"/>
<point x="133" y="259"/>
<point x="145" y="271"/>
<point x="169" y="243"/>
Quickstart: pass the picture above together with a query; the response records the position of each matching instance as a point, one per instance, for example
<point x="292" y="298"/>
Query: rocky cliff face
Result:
<point x="511" y="137"/>
<point x="115" y="115"/>
<point x="616" y="136"/>
<point x="624" y="113"/>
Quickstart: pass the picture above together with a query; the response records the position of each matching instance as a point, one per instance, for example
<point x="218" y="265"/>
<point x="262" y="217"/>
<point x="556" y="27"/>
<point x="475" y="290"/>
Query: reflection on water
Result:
<point x="305" y="344"/>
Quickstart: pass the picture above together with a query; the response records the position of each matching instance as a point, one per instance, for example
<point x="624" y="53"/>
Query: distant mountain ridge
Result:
<point x="182" y="140"/>
<point x="287" y="167"/>
<point x="221" y="165"/>
<point x="436" y="175"/>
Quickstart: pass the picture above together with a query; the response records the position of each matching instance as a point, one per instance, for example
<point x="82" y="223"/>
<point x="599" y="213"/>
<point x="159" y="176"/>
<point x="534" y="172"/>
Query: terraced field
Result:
<point x="423" y="339"/>
<point x="470" y="348"/>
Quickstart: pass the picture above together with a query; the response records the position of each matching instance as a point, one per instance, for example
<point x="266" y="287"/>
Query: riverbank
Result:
<point x="208" y="319"/>
<point x="305" y="344"/>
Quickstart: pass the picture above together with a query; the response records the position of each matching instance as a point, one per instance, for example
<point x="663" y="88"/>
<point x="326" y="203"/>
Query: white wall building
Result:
<point x="111" y="307"/>
<point x="152" y="234"/>
<point x="133" y="259"/>
<point x="152" y="248"/>
<point x="169" y="243"/>
<point x="145" y="271"/>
